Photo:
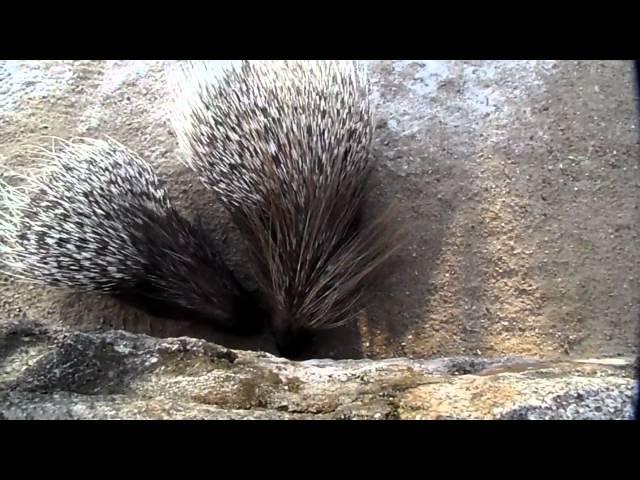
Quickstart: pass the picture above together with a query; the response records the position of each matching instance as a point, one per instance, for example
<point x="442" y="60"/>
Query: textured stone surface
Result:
<point x="51" y="373"/>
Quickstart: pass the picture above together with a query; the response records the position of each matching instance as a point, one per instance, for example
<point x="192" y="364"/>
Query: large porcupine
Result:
<point x="97" y="220"/>
<point x="286" y="146"/>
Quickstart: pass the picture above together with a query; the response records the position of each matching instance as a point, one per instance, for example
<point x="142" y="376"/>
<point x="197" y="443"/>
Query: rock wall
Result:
<point x="519" y="183"/>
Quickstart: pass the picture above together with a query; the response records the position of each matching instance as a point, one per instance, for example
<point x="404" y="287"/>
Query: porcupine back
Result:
<point x="286" y="146"/>
<point x="96" y="219"/>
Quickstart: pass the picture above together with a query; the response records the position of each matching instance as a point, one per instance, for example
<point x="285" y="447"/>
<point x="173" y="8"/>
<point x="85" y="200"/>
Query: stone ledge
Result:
<point x="54" y="373"/>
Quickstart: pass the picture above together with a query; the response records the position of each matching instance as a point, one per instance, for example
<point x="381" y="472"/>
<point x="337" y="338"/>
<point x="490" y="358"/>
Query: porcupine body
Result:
<point x="96" y="219"/>
<point x="286" y="146"/>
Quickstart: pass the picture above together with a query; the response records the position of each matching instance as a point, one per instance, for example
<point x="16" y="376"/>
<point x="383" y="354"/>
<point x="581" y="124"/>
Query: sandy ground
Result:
<point x="518" y="180"/>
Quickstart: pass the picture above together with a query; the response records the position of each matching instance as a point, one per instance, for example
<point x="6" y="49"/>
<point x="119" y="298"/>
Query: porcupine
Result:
<point x="96" y="219"/>
<point x="286" y="147"/>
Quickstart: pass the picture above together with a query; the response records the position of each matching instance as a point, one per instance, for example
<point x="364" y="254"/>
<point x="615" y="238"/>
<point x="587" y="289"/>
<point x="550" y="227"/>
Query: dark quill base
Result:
<point x="249" y="318"/>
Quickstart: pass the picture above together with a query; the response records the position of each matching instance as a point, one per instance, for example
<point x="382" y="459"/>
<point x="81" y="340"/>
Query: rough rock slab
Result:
<point x="53" y="373"/>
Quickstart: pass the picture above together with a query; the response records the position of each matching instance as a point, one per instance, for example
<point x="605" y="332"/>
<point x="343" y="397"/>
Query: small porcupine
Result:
<point x="96" y="219"/>
<point x="286" y="146"/>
